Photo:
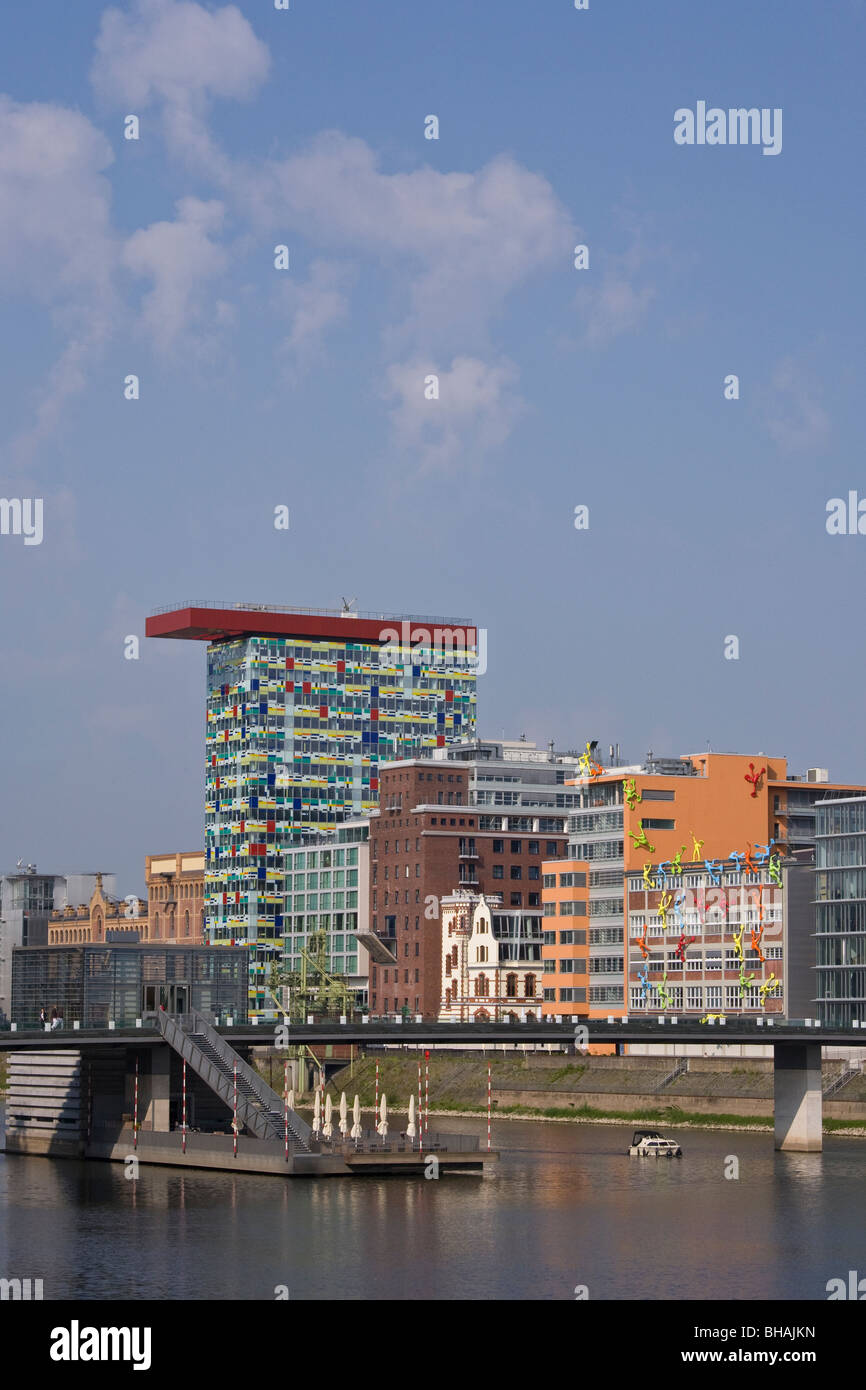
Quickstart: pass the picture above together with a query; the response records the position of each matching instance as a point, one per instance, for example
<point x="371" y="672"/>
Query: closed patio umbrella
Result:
<point x="356" y="1119"/>
<point x="344" y="1113"/>
<point x="328" y="1128"/>
<point x="382" y="1126"/>
<point x="317" y="1114"/>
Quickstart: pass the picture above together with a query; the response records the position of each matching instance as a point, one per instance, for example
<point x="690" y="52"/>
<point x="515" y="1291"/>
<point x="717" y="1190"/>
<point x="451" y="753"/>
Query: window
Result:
<point x="516" y="899"/>
<point x="534" y="872"/>
<point x="549" y="881"/>
<point x="572" y="880"/>
<point x="570" y="995"/>
<point x="550" y="848"/>
<point x="516" y="871"/>
<point x="498" y="871"/>
<point x="511" y="986"/>
<point x="516" y="846"/>
<point x="572" y="909"/>
<point x="533" y="846"/>
<point x="572" y="965"/>
<point x="659" y="824"/>
<point x="498" y="846"/>
<point x="657" y="794"/>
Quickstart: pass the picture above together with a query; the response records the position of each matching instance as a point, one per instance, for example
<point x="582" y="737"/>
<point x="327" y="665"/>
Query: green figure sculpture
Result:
<point x="640" y="839"/>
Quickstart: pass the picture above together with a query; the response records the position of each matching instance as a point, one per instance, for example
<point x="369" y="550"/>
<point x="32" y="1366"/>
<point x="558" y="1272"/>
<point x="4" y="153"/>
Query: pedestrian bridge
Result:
<point x="796" y="1048"/>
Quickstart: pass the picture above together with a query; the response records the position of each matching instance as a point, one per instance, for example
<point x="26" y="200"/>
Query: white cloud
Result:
<point x="177" y="53"/>
<point x="615" y="307"/>
<point x="795" y="417"/>
<point x="180" y="258"/>
<point x="475" y="411"/>
<point x="466" y="240"/>
<point x="314" y="305"/>
<point x="56" y="242"/>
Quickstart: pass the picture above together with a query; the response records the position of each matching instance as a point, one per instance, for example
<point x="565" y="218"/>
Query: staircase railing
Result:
<point x="262" y="1111"/>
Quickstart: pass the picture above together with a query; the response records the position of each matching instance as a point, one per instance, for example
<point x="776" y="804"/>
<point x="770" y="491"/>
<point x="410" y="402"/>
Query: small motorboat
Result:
<point x="648" y="1143"/>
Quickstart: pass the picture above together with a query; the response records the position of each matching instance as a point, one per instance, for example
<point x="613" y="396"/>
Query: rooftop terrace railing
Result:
<point x="311" y="612"/>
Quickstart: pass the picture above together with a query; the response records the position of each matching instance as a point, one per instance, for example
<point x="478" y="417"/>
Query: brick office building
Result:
<point x="434" y="834"/>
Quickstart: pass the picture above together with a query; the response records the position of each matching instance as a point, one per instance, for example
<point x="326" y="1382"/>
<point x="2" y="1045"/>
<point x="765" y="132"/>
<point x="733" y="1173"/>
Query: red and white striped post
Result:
<point x="420" y="1110"/>
<point x="135" y="1110"/>
<point x="183" y="1119"/>
<point x="426" y="1091"/>
<point x="376" y="1108"/>
<point x="235" y="1108"/>
<point x="488" y="1105"/>
<point x="286" y="1104"/>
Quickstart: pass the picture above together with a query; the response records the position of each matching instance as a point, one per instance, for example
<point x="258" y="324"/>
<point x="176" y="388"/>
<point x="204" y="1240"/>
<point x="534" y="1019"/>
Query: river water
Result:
<point x="564" y="1208"/>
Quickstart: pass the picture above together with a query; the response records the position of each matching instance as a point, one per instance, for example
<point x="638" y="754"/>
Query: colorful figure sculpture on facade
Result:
<point x="756" y="945"/>
<point x="682" y="945"/>
<point x="764" y="851"/>
<point x="750" y="863"/>
<point x="641" y="941"/>
<point x="714" y="869"/>
<point x="738" y="858"/>
<point x="754" y="777"/>
<point x="711" y="1018"/>
<point x="585" y="762"/>
<point x="664" y="904"/>
<point x="697" y="846"/>
<point x="640" y="839"/>
<point x="632" y="795"/>
<point x="663" y="871"/>
<point x="644" y="982"/>
<point x="738" y="944"/>
<point x="679" y="900"/>
<point x="745" y="980"/>
<point x="770" y="985"/>
<point x="662" y="991"/>
<point x="677" y="861"/>
<point x="649" y="882"/>
<point x="775" y="868"/>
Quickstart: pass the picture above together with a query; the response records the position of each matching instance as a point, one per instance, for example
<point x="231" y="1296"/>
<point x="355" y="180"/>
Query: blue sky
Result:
<point x="558" y="387"/>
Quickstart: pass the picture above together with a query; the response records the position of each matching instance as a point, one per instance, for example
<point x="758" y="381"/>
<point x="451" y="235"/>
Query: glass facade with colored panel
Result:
<point x="296" y="731"/>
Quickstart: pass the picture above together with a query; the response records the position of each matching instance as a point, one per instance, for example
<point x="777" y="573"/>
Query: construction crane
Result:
<point x="313" y="989"/>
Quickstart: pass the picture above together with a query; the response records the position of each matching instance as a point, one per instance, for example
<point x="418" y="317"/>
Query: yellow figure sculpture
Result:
<point x="648" y="882"/>
<point x="769" y="987"/>
<point x="677" y="861"/>
<point x="586" y="764"/>
<point x="697" y="846"/>
<point x="738" y="944"/>
<point x="664" y="904"/>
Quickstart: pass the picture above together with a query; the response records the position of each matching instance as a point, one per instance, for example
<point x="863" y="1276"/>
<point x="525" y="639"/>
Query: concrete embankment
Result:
<point x="706" y="1090"/>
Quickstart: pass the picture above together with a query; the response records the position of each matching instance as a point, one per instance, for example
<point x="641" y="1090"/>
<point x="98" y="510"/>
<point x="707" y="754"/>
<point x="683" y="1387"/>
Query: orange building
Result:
<point x="564" y="951"/>
<point x="670" y="813"/>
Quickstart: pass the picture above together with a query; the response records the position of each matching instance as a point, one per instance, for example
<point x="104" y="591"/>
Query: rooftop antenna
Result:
<point x="347" y="607"/>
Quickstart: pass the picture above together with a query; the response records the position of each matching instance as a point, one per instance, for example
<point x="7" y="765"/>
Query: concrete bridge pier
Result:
<point x="797" y="1085"/>
<point x="157" y="1094"/>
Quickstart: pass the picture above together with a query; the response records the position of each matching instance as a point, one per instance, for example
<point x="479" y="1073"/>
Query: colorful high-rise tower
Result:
<point x="301" y="709"/>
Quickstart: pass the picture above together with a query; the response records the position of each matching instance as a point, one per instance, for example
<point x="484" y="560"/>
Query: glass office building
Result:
<point x="302" y="708"/>
<point x="840" y="892"/>
<point x="97" y="984"/>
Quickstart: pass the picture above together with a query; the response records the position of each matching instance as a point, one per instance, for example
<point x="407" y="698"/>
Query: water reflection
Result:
<point x="564" y="1206"/>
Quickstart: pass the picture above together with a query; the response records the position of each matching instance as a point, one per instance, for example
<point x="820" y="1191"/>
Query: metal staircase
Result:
<point x="259" y="1108"/>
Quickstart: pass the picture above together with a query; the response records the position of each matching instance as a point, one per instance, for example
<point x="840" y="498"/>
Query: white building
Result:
<point x="476" y="982"/>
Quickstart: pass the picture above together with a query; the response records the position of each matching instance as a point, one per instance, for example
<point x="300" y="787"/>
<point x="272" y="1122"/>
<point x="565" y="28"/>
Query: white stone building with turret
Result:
<point x="476" y="983"/>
